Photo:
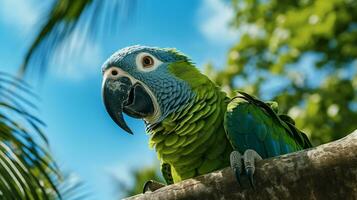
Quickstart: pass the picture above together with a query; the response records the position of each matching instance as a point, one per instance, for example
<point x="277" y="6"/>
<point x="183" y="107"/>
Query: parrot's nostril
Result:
<point x="114" y="72"/>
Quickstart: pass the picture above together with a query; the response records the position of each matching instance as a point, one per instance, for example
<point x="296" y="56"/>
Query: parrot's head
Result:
<point x="140" y="82"/>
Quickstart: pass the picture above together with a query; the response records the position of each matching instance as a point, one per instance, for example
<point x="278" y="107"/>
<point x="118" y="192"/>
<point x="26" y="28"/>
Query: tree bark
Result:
<point x="328" y="171"/>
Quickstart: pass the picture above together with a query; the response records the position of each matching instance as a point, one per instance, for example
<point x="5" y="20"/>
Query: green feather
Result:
<point x="171" y="139"/>
<point x="186" y="129"/>
<point x="188" y="168"/>
<point x="186" y="72"/>
<point x="209" y="165"/>
<point x="180" y="142"/>
<point x="218" y="150"/>
<point x="199" y="126"/>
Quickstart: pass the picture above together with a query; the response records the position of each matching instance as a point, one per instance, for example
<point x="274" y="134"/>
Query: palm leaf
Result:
<point x="27" y="170"/>
<point x="72" y="188"/>
<point x="66" y="16"/>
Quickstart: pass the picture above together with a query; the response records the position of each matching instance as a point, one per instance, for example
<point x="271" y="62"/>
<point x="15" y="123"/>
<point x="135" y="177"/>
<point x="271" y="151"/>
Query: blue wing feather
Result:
<point x="252" y="124"/>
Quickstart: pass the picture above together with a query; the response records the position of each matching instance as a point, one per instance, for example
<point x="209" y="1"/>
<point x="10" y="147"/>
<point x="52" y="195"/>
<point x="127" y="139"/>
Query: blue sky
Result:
<point x="83" y="138"/>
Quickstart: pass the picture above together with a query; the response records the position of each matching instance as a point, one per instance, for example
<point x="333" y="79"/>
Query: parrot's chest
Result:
<point x="211" y="154"/>
<point x="192" y="149"/>
<point x="192" y="141"/>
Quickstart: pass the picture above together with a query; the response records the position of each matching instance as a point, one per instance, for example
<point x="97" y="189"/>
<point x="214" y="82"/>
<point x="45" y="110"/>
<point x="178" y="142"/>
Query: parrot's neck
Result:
<point x="192" y="140"/>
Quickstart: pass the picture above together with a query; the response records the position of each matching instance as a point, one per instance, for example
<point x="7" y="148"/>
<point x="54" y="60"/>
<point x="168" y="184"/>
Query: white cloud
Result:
<point x="214" y="17"/>
<point x="21" y="14"/>
<point x="77" y="58"/>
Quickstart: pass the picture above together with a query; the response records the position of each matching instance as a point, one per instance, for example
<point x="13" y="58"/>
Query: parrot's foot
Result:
<point x="247" y="161"/>
<point x="249" y="157"/>
<point x="152" y="185"/>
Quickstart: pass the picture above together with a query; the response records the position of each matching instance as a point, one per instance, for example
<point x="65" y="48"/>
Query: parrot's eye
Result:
<point x="147" y="61"/>
<point x="114" y="72"/>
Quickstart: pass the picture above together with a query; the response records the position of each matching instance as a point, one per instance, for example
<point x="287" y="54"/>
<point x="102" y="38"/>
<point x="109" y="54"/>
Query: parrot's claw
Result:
<point x="250" y="157"/>
<point x="236" y="164"/>
<point x="250" y="174"/>
<point x="247" y="161"/>
<point x="151" y="186"/>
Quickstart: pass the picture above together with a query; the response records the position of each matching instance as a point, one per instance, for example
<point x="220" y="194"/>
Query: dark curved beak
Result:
<point x="120" y="95"/>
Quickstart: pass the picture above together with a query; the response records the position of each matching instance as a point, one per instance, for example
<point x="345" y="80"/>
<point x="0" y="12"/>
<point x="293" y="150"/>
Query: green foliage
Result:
<point x="277" y="39"/>
<point x="63" y="18"/>
<point x="27" y="171"/>
<point x="60" y="23"/>
<point x="140" y="177"/>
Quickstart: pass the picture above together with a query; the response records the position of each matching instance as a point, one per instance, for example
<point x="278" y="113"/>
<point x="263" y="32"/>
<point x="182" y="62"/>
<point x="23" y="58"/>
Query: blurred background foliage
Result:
<point x="309" y="48"/>
<point x="63" y="19"/>
<point x="140" y="177"/>
<point x="27" y="171"/>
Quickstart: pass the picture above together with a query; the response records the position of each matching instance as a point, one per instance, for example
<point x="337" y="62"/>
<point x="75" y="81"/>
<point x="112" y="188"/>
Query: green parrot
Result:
<point x="193" y="125"/>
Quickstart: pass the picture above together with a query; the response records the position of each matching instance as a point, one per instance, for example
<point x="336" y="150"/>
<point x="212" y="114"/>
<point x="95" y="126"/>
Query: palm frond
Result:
<point x="27" y="170"/>
<point x="89" y="17"/>
<point x="72" y="188"/>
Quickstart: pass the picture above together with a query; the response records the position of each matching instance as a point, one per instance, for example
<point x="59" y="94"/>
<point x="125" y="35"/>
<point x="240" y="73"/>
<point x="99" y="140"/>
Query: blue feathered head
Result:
<point x="137" y="80"/>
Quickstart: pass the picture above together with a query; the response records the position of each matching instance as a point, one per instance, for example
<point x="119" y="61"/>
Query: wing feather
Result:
<point x="253" y="124"/>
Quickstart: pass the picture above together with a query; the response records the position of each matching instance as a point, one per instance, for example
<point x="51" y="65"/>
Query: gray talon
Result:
<point x="250" y="174"/>
<point x="250" y="157"/>
<point x="236" y="164"/>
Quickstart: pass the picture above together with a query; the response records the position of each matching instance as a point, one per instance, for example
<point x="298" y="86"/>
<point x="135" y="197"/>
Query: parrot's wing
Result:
<point x="253" y="124"/>
<point x="166" y="173"/>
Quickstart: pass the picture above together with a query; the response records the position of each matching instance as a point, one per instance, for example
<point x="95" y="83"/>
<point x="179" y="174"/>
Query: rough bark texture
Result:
<point x="326" y="172"/>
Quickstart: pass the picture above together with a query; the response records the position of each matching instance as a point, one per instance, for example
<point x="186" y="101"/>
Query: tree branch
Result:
<point x="328" y="171"/>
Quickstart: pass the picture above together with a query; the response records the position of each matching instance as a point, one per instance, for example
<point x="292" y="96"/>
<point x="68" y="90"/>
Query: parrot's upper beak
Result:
<point x="121" y="95"/>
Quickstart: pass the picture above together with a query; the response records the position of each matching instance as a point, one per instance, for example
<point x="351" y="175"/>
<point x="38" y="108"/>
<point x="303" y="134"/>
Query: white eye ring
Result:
<point x="146" y="62"/>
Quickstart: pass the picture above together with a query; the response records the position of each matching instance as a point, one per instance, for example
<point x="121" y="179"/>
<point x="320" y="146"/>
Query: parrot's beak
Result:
<point x="121" y="95"/>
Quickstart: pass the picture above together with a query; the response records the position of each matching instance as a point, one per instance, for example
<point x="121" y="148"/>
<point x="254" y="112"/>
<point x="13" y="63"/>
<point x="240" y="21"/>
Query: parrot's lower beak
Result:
<point x="121" y="95"/>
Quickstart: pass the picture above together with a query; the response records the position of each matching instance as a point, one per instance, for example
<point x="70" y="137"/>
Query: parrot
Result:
<point x="192" y="124"/>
